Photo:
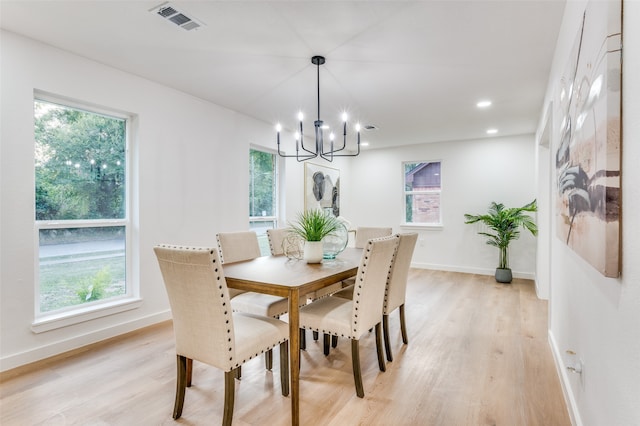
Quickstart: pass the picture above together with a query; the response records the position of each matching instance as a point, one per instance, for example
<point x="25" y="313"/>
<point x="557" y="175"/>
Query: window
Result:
<point x="81" y="207"/>
<point x="263" y="195"/>
<point x="422" y="188"/>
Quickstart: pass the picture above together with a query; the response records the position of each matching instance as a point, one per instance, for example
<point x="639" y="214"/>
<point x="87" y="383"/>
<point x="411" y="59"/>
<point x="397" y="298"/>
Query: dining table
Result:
<point x="291" y="277"/>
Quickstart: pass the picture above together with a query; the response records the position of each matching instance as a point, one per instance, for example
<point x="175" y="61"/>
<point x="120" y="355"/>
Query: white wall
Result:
<point x="598" y="317"/>
<point x="191" y="163"/>
<point x="474" y="173"/>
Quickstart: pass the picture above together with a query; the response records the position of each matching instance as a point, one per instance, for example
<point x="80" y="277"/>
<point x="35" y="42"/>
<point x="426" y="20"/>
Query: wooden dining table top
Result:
<point x="278" y="274"/>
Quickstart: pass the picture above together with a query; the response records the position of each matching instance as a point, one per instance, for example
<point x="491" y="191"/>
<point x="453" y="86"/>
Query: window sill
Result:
<point x="422" y="226"/>
<point x="77" y="316"/>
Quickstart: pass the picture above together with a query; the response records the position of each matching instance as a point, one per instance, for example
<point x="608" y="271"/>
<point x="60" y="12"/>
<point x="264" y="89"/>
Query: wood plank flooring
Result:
<point x="477" y="355"/>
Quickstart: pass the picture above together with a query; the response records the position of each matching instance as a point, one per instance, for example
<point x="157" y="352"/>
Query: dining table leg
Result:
<point x="294" y="354"/>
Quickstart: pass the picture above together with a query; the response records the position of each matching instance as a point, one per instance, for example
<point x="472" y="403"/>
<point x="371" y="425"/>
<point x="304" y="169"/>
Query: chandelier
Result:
<point x="302" y="153"/>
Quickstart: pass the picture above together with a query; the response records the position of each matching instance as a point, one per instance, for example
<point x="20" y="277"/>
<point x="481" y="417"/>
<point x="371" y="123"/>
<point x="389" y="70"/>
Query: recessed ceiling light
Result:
<point x="483" y="104"/>
<point x="492" y="131"/>
<point x="364" y="143"/>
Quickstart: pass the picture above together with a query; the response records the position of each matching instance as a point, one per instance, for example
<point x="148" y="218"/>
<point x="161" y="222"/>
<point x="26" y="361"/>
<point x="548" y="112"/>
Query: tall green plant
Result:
<point x="505" y="224"/>
<point x="314" y="225"/>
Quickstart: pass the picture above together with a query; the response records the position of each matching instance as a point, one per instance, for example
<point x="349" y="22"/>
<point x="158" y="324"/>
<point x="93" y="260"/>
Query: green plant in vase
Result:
<point x="312" y="226"/>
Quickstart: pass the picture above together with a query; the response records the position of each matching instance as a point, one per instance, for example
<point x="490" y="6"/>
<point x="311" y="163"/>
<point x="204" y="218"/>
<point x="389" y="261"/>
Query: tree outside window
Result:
<point x="263" y="194"/>
<point x="80" y="205"/>
<point x="422" y="191"/>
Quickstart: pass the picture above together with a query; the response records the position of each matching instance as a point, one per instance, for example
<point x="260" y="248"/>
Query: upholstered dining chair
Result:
<point x="277" y="237"/>
<point x="237" y="247"/>
<point x="396" y="289"/>
<point x="240" y="246"/>
<point x="205" y="327"/>
<point x="352" y="318"/>
<point x="363" y="234"/>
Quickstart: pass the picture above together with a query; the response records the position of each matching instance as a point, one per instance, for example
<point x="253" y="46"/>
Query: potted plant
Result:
<point x="312" y="226"/>
<point x="504" y="224"/>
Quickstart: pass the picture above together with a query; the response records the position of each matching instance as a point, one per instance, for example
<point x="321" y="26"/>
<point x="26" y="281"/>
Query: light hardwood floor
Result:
<point x="477" y="355"/>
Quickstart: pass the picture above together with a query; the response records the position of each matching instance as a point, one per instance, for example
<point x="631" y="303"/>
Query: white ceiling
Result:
<point x="414" y="69"/>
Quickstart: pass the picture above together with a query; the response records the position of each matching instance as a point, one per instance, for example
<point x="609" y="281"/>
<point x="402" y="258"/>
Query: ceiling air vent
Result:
<point x="179" y="17"/>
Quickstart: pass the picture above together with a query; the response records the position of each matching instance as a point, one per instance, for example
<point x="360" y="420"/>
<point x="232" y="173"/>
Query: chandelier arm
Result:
<point x="305" y="158"/>
<point x="344" y="144"/>
<point x="296" y="155"/>
<point x="314" y="153"/>
<point x="333" y="154"/>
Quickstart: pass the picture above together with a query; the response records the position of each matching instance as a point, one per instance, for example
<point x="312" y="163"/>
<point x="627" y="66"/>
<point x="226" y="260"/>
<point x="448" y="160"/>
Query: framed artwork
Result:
<point x="322" y="188"/>
<point x="588" y="156"/>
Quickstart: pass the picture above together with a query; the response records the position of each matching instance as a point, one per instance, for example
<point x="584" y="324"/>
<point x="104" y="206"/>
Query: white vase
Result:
<point x="313" y="251"/>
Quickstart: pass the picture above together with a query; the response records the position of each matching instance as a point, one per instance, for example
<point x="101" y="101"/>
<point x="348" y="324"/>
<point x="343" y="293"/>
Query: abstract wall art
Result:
<point x="588" y="155"/>
<point x="322" y="188"/>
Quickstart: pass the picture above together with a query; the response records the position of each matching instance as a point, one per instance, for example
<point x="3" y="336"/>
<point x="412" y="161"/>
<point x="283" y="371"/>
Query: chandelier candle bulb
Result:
<point x="300" y="117"/>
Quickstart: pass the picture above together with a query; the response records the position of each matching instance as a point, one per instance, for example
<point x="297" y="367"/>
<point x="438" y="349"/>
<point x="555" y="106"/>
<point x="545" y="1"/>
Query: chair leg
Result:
<point x="181" y="386"/>
<point x="189" y="371"/>
<point x="229" y="397"/>
<point x="403" y="325"/>
<point x="268" y="359"/>
<point x="334" y="341"/>
<point x="284" y="368"/>
<point x="315" y="335"/>
<point x="387" y="343"/>
<point x="381" y="363"/>
<point x="238" y="373"/>
<point x="303" y="339"/>
<point x="355" y="361"/>
<point x="326" y="338"/>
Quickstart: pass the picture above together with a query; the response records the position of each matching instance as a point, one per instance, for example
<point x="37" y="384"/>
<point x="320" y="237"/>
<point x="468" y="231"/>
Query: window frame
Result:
<point x="275" y="218"/>
<point x="69" y="315"/>
<point x="423" y="225"/>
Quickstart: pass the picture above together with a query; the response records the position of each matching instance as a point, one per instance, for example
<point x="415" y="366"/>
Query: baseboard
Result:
<point x="569" y="397"/>
<point x="468" y="270"/>
<point x="43" y="352"/>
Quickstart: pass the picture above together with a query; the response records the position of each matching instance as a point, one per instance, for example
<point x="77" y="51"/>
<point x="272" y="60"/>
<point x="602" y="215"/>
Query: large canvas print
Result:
<point x="322" y="188"/>
<point x="588" y="155"/>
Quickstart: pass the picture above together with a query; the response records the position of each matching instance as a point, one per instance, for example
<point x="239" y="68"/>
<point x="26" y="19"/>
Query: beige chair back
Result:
<point x="371" y="280"/>
<point x="238" y="246"/>
<point x="276" y="239"/>
<point x="202" y="316"/>
<point x="397" y="285"/>
<point x="364" y="234"/>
